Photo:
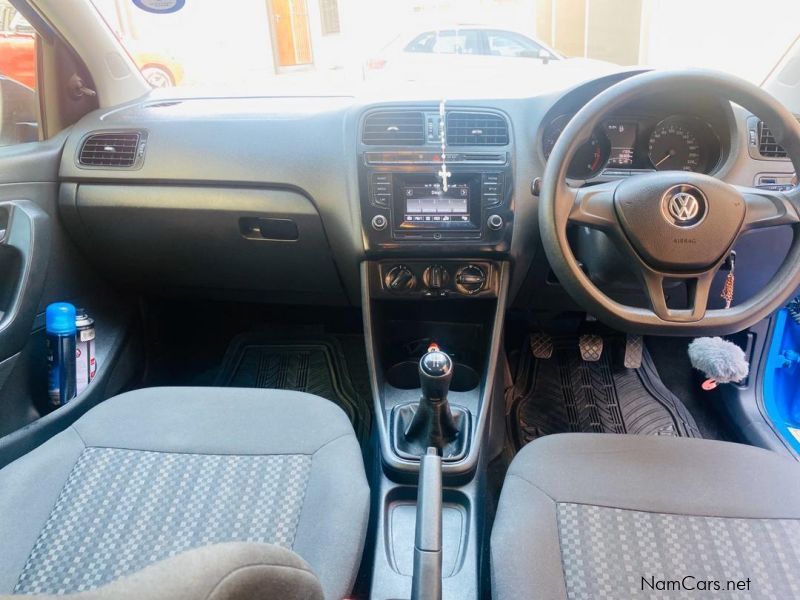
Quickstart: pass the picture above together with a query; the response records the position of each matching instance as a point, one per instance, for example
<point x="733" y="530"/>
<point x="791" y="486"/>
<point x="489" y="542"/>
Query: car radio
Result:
<point x="421" y="202"/>
<point x="415" y="205"/>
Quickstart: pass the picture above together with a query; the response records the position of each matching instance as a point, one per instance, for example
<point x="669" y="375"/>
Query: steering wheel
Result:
<point x="673" y="225"/>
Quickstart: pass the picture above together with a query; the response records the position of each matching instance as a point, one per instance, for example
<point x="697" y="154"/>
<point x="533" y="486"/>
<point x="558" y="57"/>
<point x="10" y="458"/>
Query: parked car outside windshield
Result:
<point x="461" y="52"/>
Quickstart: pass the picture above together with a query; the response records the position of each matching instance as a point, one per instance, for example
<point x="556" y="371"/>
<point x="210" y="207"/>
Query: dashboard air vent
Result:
<point x="117" y="149"/>
<point x="394" y="128"/>
<point x="476" y="129"/>
<point x="767" y="146"/>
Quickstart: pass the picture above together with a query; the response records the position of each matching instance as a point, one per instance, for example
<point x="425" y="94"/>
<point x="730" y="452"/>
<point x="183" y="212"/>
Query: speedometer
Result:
<point x="674" y="146"/>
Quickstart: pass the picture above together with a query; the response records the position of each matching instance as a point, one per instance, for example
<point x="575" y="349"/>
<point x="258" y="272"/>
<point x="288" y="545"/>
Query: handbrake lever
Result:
<point x="426" y="582"/>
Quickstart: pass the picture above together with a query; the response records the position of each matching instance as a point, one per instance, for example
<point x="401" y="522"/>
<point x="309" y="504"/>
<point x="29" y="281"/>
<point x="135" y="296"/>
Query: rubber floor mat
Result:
<point x="564" y="393"/>
<point x="321" y="366"/>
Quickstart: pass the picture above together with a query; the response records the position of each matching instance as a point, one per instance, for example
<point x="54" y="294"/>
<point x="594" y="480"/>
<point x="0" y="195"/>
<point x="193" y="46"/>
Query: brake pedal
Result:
<point x="634" y="344"/>
<point x="541" y="345"/>
<point x="591" y="347"/>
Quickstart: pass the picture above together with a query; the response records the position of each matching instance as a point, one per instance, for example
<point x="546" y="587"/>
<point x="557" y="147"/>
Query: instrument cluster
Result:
<point x="627" y="143"/>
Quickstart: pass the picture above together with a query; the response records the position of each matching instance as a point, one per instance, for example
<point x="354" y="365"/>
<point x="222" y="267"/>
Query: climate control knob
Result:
<point x="400" y="279"/>
<point x="470" y="279"/>
<point x="435" y="277"/>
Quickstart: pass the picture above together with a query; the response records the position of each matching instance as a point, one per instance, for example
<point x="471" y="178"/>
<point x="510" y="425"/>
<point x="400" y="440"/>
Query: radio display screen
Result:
<point x="421" y="203"/>
<point x="429" y="203"/>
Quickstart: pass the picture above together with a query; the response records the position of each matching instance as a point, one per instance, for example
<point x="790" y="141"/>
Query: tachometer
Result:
<point x="590" y="157"/>
<point x="674" y="146"/>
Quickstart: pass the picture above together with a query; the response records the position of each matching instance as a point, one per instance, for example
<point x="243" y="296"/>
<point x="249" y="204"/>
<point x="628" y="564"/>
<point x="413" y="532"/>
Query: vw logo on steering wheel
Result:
<point x="685" y="205"/>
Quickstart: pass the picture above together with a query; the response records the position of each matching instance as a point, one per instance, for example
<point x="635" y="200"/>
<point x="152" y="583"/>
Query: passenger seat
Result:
<point x="156" y="472"/>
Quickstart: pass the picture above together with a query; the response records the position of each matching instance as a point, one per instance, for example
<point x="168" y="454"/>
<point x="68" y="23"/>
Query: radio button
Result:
<point x="492" y="189"/>
<point x="381" y="193"/>
<point x="379" y="222"/>
<point x="495" y="222"/>
<point x="490" y="200"/>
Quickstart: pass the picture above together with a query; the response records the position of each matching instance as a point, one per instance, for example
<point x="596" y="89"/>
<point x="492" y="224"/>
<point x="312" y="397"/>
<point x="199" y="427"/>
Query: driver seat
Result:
<point x="603" y="516"/>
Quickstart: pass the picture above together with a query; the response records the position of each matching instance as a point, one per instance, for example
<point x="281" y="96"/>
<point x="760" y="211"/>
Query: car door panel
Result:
<point x="40" y="264"/>
<point x="24" y="254"/>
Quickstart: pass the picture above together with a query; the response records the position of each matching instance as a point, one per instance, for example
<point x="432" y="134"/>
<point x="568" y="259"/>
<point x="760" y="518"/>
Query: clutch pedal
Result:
<point x="541" y="345"/>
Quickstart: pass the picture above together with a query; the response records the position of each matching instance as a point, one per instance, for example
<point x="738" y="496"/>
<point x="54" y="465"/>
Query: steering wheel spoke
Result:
<point x="698" y="288"/>
<point x="593" y="206"/>
<point x="769" y="208"/>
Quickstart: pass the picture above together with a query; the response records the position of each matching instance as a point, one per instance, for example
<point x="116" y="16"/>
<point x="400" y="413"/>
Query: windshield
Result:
<point x="326" y="43"/>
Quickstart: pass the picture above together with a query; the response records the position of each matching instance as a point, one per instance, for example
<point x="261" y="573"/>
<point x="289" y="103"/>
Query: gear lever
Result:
<point x="433" y="423"/>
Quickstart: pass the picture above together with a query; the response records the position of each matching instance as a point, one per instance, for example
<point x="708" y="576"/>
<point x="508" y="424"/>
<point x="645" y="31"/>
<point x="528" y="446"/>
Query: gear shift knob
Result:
<point x="432" y="423"/>
<point x="435" y="374"/>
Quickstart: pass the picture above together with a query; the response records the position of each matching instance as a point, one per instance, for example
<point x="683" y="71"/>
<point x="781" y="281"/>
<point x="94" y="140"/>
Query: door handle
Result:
<point x="24" y="256"/>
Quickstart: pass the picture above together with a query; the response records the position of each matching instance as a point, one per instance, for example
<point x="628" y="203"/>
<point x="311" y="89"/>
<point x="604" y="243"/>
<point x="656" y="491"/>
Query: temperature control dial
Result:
<point x="470" y="279"/>
<point x="400" y="279"/>
<point x="435" y="277"/>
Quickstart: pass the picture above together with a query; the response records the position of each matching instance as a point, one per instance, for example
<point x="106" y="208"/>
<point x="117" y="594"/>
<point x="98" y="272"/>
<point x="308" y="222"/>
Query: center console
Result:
<point x="467" y="429"/>
<point x="412" y="205"/>
<point x="437" y="209"/>
<point x="447" y="200"/>
<point x="407" y="207"/>
<point x="437" y="226"/>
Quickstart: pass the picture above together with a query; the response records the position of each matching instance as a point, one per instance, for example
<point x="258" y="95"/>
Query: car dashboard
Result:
<point x="280" y="199"/>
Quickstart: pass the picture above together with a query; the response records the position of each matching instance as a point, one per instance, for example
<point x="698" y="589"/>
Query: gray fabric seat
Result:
<point x="232" y="571"/>
<point x="153" y="473"/>
<point x="608" y="516"/>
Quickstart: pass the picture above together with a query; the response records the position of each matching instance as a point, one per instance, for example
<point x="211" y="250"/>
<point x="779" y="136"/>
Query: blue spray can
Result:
<point x="60" y="321"/>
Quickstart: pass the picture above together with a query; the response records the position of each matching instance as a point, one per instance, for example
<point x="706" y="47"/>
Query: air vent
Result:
<point x="394" y="128"/>
<point x="767" y="146"/>
<point x="117" y="149"/>
<point x="476" y="129"/>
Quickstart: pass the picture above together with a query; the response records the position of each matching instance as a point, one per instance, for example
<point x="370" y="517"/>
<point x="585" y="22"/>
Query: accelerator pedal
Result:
<point x="591" y="347"/>
<point x="541" y="345"/>
<point x="634" y="344"/>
